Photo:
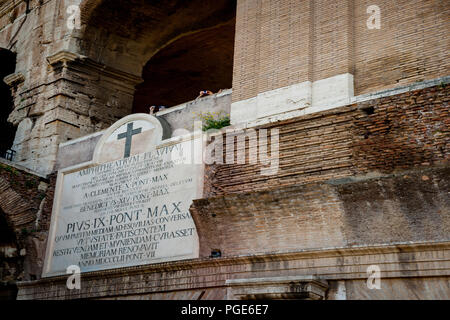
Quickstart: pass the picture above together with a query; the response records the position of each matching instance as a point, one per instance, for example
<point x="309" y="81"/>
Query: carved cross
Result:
<point x="129" y="137"/>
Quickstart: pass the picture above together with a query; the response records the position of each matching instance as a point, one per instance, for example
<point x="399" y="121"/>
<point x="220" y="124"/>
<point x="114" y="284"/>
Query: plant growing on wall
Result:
<point x="214" y="120"/>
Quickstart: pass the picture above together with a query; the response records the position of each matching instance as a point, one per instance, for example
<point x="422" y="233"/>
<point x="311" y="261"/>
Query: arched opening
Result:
<point x="7" y="130"/>
<point x="195" y="62"/>
<point x="178" y="47"/>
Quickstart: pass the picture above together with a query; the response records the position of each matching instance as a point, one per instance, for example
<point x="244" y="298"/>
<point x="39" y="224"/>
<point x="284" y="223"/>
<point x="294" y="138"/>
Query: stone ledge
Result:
<point x="14" y="79"/>
<point x="401" y="260"/>
<point x="289" y="287"/>
<point x="22" y="168"/>
<point x="7" y="6"/>
<point x="337" y="107"/>
<point x="348" y="141"/>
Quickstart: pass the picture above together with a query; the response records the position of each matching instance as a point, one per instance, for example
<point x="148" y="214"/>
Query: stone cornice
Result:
<point x="7" y="6"/>
<point x="112" y="72"/>
<point x="62" y="57"/>
<point x="76" y="61"/>
<point x="287" y="287"/>
<point x="394" y="248"/>
<point x="14" y="79"/>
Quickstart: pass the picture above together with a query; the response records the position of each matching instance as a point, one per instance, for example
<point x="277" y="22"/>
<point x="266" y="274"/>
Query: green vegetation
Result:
<point x="8" y="169"/>
<point x="214" y="120"/>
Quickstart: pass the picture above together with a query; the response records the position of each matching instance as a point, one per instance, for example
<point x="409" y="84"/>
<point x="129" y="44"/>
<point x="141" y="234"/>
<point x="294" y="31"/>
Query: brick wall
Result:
<point x="279" y="43"/>
<point x="411" y="45"/>
<point x="332" y="40"/>
<point x="407" y="207"/>
<point x="404" y="131"/>
<point x="20" y="197"/>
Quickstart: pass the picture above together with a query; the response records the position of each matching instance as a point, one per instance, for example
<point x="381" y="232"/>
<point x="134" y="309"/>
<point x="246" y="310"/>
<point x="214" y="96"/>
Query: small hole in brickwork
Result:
<point x="216" y="253"/>
<point x="368" y="111"/>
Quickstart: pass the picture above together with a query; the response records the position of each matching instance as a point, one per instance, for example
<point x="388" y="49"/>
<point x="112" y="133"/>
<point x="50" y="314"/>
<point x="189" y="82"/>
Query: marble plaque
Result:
<point x="126" y="212"/>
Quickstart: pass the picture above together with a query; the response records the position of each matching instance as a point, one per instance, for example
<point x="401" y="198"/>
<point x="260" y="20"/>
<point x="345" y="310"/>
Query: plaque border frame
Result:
<point x="193" y="136"/>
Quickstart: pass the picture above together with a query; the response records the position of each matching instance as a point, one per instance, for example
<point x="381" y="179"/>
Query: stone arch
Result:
<point x="126" y="35"/>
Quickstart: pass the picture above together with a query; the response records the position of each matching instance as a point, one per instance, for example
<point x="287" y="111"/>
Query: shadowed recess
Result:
<point x="176" y="74"/>
<point x="177" y="47"/>
<point x="7" y="130"/>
